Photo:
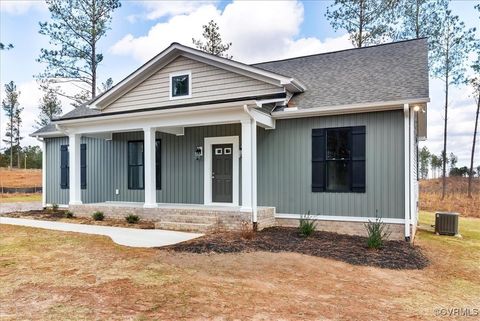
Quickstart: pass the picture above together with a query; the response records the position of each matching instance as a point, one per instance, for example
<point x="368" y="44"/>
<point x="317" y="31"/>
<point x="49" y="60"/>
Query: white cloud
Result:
<point x="29" y="98"/>
<point x="158" y="9"/>
<point x="15" y="7"/>
<point x="461" y="121"/>
<point x="258" y="30"/>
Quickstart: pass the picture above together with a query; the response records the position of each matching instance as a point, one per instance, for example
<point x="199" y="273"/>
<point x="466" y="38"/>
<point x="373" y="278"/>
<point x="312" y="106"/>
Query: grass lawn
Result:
<point x="48" y="275"/>
<point x="11" y="198"/>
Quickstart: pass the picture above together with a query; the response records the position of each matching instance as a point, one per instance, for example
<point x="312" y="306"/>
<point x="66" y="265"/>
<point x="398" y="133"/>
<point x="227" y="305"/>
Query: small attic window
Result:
<point x="180" y="85"/>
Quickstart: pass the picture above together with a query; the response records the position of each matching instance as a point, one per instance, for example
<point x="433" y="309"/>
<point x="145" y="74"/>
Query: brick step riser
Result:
<point x="185" y="227"/>
<point x="188" y="219"/>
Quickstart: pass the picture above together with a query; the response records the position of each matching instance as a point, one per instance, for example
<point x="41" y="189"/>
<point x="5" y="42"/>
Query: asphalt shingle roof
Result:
<point x="388" y="72"/>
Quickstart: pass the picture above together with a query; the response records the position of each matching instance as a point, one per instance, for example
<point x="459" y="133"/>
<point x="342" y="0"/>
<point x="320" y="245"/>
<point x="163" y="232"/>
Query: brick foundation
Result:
<point x="343" y="227"/>
<point x="189" y="217"/>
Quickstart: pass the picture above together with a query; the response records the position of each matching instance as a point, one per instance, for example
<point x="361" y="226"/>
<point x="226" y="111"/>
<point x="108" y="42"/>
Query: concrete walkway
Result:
<point x="120" y="235"/>
<point x="19" y="206"/>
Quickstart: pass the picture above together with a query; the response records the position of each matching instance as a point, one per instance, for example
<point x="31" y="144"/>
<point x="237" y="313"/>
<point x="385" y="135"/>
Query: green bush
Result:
<point x="98" y="216"/>
<point x="54" y="207"/>
<point x="307" y="225"/>
<point x="377" y="233"/>
<point x="68" y="214"/>
<point x="132" y="218"/>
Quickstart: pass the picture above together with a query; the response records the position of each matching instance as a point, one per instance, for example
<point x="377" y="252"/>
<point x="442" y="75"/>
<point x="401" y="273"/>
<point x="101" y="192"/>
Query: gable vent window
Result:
<point x="180" y="85"/>
<point x="338" y="159"/>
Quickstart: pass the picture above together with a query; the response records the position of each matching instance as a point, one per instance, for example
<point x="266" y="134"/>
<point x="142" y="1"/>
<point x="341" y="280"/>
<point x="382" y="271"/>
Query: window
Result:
<point x="136" y="168"/>
<point x="65" y="167"/>
<point x="338" y="159"/>
<point x="180" y="85"/>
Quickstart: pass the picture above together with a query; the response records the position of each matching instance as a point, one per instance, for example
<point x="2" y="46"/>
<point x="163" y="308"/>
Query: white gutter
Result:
<point x="346" y="109"/>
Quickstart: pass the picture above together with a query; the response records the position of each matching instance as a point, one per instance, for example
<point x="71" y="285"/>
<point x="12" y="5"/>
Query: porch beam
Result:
<point x="150" y="177"/>
<point x="177" y="131"/>
<point x="75" y="191"/>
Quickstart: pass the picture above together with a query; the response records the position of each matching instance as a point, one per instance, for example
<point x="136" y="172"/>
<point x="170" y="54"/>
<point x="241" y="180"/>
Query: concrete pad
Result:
<point x="20" y="207"/>
<point x="120" y="235"/>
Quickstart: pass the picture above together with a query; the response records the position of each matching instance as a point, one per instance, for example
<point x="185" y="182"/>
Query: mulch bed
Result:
<point x="50" y="215"/>
<point x="346" y="248"/>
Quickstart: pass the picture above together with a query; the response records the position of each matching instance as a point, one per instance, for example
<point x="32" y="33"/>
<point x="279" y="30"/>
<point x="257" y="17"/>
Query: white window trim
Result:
<point x="207" y="164"/>
<point x="180" y="73"/>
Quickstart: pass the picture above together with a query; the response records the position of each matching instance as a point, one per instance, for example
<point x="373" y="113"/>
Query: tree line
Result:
<point x="431" y="165"/>
<point x="76" y="28"/>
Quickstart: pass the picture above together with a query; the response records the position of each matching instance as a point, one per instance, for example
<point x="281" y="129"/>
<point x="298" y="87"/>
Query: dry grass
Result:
<point x="20" y="177"/>
<point x="19" y="197"/>
<point x="49" y="275"/>
<point x="456" y="199"/>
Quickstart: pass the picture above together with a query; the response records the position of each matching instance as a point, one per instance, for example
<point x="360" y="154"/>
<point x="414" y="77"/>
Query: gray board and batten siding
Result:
<point x="284" y="167"/>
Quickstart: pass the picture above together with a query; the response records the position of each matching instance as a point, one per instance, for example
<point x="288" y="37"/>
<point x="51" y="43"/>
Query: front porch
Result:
<point x="182" y="217"/>
<point x="193" y="170"/>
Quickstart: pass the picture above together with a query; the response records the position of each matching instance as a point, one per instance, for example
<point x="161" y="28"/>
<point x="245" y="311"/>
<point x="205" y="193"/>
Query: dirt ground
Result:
<point x="20" y="177"/>
<point x="456" y="199"/>
<point x="48" y="275"/>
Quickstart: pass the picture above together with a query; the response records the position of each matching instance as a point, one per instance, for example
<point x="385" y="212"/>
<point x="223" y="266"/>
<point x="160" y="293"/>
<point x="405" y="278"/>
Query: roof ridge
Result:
<point x="338" y="51"/>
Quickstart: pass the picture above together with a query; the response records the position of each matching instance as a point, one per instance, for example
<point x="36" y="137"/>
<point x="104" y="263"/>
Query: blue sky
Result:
<point x="259" y="32"/>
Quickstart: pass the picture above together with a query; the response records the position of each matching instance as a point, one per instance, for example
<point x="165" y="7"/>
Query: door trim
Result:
<point x="207" y="165"/>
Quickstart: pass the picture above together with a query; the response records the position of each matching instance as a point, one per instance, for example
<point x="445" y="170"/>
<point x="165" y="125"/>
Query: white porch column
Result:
<point x="150" y="177"/>
<point x="249" y="167"/>
<point x="74" y="169"/>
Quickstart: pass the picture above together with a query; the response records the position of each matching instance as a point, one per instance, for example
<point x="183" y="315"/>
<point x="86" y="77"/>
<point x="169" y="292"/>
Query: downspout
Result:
<point x="254" y="167"/>
<point x="406" y="129"/>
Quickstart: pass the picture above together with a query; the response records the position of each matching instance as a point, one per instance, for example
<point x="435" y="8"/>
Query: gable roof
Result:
<point x="382" y="73"/>
<point x="175" y="50"/>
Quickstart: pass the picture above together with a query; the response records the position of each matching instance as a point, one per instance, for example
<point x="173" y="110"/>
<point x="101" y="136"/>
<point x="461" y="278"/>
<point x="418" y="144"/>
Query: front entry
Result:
<point x="222" y="173"/>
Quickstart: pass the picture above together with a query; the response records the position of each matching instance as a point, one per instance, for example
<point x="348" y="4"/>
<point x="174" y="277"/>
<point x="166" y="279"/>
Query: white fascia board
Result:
<point x="138" y="122"/>
<point x="346" y="109"/>
<point x="262" y="119"/>
<point x="360" y="219"/>
<point x="48" y="134"/>
<point x="175" y="50"/>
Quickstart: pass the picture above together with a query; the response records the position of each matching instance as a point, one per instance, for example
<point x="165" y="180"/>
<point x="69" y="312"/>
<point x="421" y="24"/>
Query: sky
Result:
<point x="259" y="31"/>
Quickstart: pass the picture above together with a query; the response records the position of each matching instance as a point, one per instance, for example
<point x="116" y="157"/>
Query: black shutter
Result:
<point x="64" y="166"/>
<point x="158" y="164"/>
<point x="358" y="159"/>
<point x="318" y="160"/>
<point x="83" y="166"/>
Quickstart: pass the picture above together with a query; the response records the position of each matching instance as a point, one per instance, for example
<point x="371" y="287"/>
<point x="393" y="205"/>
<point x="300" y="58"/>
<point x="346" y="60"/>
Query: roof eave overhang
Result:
<point x="175" y="50"/>
<point x="346" y="109"/>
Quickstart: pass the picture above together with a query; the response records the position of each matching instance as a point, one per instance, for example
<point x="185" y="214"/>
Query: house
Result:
<point x="190" y="140"/>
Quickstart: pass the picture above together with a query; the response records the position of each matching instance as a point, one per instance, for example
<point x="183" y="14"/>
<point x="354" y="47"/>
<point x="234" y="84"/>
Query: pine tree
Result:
<point x="10" y="106"/>
<point x="213" y="41"/>
<point x="424" y="156"/>
<point x="366" y="21"/>
<point x="450" y="49"/>
<point x="5" y="47"/>
<point x="475" y="83"/>
<point x="75" y="31"/>
<point x="50" y="107"/>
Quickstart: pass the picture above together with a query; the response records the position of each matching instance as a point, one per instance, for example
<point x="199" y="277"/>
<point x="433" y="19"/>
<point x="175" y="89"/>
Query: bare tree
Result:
<point x="475" y="82"/>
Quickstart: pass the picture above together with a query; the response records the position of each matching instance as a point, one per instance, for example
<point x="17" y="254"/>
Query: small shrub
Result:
<point x="98" y="216"/>
<point x="68" y="214"/>
<point x="246" y="230"/>
<point x="54" y="207"/>
<point x="132" y="218"/>
<point x="307" y="225"/>
<point x="377" y="233"/>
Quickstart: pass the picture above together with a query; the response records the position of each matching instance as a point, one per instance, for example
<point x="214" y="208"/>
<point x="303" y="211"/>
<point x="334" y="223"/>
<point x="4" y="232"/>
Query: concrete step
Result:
<point x="187" y="218"/>
<point x="185" y="227"/>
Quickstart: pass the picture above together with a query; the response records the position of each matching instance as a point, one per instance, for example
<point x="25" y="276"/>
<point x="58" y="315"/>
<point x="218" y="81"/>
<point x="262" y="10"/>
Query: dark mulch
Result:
<point x="346" y="248"/>
<point x="60" y="214"/>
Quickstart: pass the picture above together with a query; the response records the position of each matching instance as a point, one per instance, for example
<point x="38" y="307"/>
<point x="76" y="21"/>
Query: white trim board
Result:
<point x="207" y="166"/>
<point x="341" y="218"/>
